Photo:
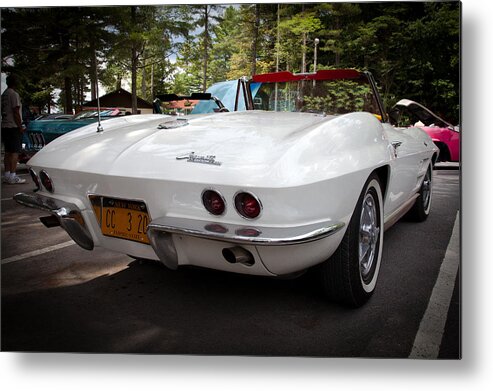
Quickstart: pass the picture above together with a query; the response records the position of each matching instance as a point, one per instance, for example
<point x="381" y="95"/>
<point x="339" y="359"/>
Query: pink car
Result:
<point x="444" y="135"/>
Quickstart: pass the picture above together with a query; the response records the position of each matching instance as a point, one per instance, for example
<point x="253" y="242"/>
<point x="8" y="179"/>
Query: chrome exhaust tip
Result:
<point x="238" y="255"/>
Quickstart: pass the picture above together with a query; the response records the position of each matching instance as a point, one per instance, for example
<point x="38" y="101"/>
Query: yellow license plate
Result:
<point x="124" y="219"/>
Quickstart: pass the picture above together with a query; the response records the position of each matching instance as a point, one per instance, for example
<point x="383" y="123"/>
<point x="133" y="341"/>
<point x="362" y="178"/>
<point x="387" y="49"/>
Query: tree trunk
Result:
<point x="152" y="82"/>
<point x="135" y="61"/>
<point x="278" y="37"/>
<point x="143" y="88"/>
<point x="206" y="47"/>
<point x="338" y="54"/>
<point x="94" y="78"/>
<point x="67" y="81"/>
<point x="134" y="79"/>
<point x="303" y="54"/>
<point x="303" y="48"/>
<point x="79" y="90"/>
<point x="255" y="38"/>
<point x="68" y="95"/>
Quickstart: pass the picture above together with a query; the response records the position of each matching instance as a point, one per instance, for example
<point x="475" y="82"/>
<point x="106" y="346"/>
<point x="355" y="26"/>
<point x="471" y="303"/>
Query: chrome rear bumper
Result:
<point x="160" y="234"/>
<point x="162" y="230"/>
<point x="69" y="216"/>
<point x="266" y="236"/>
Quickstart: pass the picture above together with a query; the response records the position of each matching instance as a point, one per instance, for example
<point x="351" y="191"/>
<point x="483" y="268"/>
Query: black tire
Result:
<point x="421" y="208"/>
<point x="144" y="261"/>
<point x="345" y="278"/>
<point x="444" y="155"/>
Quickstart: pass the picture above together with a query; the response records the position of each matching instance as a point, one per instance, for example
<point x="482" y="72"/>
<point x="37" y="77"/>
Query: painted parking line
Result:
<point x="37" y="252"/>
<point x="429" y="337"/>
<point x="5" y="184"/>
<point x="8" y="199"/>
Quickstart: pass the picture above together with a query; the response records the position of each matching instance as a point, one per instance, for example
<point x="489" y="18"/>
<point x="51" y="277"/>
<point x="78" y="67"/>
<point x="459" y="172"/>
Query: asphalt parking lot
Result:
<point x="57" y="297"/>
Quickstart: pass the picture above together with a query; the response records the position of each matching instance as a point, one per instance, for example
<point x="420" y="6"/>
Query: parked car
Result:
<point x="308" y="176"/>
<point x="45" y="129"/>
<point x="445" y="135"/>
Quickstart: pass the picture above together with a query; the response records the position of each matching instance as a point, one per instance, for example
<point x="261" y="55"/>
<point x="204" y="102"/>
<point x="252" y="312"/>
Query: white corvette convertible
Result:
<point x="310" y="173"/>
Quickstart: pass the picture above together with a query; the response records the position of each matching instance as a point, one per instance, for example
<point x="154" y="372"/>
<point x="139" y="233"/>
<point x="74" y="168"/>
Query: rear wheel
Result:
<point x="350" y="275"/>
<point x="421" y="208"/>
<point x="444" y="155"/>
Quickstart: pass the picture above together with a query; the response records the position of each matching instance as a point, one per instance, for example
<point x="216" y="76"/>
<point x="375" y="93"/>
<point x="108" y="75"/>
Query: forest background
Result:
<point x="59" y="53"/>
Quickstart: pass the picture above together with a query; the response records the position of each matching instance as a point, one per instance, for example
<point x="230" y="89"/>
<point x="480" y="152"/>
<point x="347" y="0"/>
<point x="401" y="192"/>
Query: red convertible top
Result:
<point x="331" y="74"/>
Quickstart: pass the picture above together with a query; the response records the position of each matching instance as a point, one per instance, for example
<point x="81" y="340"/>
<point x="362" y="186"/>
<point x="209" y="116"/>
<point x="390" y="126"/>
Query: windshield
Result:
<point x="226" y="93"/>
<point x="85" y="114"/>
<point x="94" y="113"/>
<point x="315" y="96"/>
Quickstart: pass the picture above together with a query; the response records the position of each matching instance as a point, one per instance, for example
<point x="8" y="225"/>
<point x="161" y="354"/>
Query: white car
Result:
<point x="310" y="174"/>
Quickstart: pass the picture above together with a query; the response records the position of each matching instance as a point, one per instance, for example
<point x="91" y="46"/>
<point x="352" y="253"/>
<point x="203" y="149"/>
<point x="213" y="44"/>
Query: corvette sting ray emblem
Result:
<point x="193" y="158"/>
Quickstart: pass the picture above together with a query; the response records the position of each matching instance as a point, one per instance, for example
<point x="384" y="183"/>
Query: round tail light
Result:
<point x="46" y="181"/>
<point x="35" y="178"/>
<point x="213" y="202"/>
<point x="248" y="205"/>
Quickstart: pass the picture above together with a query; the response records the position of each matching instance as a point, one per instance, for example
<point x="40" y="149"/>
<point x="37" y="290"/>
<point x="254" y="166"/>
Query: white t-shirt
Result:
<point x="10" y="100"/>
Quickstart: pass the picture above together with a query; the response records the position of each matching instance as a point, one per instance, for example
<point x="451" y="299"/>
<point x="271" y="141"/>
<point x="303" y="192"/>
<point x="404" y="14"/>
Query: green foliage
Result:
<point x="304" y="22"/>
<point x="340" y="97"/>
<point x="412" y="48"/>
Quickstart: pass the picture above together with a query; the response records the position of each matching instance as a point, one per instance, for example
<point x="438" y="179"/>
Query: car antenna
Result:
<point x="100" y="127"/>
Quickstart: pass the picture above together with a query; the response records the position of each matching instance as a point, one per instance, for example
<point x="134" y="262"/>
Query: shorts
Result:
<point x="12" y="140"/>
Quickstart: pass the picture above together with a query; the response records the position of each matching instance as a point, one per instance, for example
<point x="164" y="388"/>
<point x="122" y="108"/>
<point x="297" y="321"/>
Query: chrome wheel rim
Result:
<point x="426" y="190"/>
<point x="369" y="232"/>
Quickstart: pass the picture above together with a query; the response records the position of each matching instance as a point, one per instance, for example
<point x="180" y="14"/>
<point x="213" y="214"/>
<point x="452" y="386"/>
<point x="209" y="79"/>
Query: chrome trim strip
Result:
<point x="261" y="236"/>
<point x="38" y="201"/>
<point x="397" y="214"/>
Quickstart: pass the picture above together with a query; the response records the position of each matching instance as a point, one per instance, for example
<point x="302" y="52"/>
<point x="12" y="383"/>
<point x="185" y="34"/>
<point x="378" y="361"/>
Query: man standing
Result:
<point x="12" y="130"/>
